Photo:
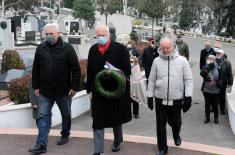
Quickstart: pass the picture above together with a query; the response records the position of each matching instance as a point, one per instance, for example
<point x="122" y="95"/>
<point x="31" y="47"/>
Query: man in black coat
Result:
<point x="107" y="112"/>
<point x="208" y="50"/>
<point x="226" y="77"/>
<point x="150" y="53"/>
<point x="55" y="78"/>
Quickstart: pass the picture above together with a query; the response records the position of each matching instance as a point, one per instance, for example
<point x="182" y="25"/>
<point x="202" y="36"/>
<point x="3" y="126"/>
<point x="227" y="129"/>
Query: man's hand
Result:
<point x="36" y="92"/>
<point x="35" y="106"/>
<point x="150" y="103"/>
<point x="187" y="103"/>
<point x="72" y="93"/>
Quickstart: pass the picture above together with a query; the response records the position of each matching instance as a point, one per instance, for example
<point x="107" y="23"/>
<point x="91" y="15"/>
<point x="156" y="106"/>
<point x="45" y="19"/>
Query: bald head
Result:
<point x="102" y="30"/>
<point x="167" y="46"/>
<point x="218" y="45"/>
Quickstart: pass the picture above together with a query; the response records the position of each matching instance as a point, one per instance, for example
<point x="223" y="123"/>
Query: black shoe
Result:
<point x="177" y="140"/>
<point x="136" y="116"/>
<point x="38" y="149"/>
<point x="161" y="152"/>
<point x="222" y="112"/>
<point x="216" y="121"/>
<point x="63" y="140"/>
<point x="116" y="147"/>
<point x="96" y="153"/>
<point x="207" y="120"/>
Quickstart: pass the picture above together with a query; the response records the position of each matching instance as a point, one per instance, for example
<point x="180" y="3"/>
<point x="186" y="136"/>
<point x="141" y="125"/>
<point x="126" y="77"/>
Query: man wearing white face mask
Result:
<point x="226" y="77"/>
<point x="106" y="112"/>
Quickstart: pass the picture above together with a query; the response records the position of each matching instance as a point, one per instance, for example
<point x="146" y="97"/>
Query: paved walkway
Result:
<point x="17" y="142"/>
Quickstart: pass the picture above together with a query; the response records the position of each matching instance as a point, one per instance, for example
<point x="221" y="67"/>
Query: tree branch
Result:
<point x="13" y="3"/>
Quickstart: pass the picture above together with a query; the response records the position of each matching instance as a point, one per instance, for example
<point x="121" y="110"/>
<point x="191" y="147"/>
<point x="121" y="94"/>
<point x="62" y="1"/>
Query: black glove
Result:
<point x="187" y="103"/>
<point x="150" y="103"/>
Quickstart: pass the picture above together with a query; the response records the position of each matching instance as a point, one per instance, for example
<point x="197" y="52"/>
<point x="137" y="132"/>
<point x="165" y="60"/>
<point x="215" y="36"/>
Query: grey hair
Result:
<point x="102" y="27"/>
<point x="54" y="25"/>
<point x="168" y="39"/>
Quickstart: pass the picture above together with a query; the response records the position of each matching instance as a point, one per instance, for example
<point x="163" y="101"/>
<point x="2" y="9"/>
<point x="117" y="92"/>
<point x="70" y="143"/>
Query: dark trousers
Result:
<point x="98" y="135"/>
<point x="135" y="107"/>
<point x="211" y="100"/>
<point x="222" y="99"/>
<point x="164" y="114"/>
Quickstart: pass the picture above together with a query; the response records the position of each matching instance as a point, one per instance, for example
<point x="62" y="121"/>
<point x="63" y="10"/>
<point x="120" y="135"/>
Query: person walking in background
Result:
<point x="171" y="84"/>
<point x="135" y="74"/>
<point x="210" y="89"/>
<point x="108" y="112"/>
<point x="133" y="51"/>
<point x="226" y="77"/>
<point x="182" y="47"/>
<point x="208" y="50"/>
<point x="134" y="35"/>
<point x="150" y="53"/>
<point x="55" y="78"/>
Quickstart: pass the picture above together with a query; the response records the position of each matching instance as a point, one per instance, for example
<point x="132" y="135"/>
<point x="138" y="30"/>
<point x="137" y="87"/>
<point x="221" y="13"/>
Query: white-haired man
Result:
<point x="107" y="112"/>
<point x="208" y="50"/>
<point x="55" y="78"/>
<point x="226" y="77"/>
<point x="171" y="84"/>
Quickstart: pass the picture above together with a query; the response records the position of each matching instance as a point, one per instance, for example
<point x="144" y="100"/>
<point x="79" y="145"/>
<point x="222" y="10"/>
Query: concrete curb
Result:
<point x="128" y="138"/>
<point x="204" y="37"/>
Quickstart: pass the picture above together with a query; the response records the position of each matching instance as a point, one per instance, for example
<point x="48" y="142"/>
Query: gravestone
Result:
<point x="10" y="75"/>
<point x="25" y="27"/>
<point x="34" y="23"/>
<point x="5" y="34"/>
<point x="73" y="40"/>
<point x="74" y="27"/>
<point x="30" y="36"/>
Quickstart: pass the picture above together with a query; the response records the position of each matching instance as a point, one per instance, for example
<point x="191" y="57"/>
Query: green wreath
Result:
<point x="110" y="83"/>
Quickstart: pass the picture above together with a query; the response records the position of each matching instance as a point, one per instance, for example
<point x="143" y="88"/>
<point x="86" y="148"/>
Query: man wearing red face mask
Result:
<point x="107" y="112"/>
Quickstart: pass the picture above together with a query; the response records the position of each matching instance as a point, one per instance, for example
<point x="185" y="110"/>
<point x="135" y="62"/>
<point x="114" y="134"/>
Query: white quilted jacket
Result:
<point x="170" y="77"/>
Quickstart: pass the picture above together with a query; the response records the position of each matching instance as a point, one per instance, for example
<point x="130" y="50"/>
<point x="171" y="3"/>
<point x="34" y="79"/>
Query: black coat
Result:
<point x="203" y="56"/>
<point x="147" y="59"/>
<point x="56" y="69"/>
<point x="225" y="73"/>
<point x="109" y="112"/>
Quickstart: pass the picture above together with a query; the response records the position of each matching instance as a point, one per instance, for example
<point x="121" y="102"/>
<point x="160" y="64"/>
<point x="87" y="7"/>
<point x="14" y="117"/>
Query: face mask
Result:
<point x="208" y="62"/>
<point x="102" y="40"/>
<point x="219" y="55"/>
<point x="50" y="39"/>
<point x="132" y="64"/>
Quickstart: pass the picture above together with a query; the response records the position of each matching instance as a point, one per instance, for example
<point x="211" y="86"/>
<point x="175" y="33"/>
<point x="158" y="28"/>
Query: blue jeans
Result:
<point x="44" y="121"/>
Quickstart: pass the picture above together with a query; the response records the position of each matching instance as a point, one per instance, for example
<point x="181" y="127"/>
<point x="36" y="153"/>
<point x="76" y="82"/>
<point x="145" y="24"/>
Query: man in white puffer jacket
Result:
<point x="171" y="84"/>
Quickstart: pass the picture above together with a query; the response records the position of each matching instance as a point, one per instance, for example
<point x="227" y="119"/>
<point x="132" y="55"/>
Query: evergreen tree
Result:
<point x="153" y="9"/>
<point x="109" y="7"/>
<point x="84" y="9"/>
<point x="68" y="3"/>
<point x="184" y="16"/>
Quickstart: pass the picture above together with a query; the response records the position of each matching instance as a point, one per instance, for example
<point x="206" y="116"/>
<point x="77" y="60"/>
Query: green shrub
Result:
<point x="225" y="34"/>
<point x="11" y="60"/>
<point x="18" y="90"/>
